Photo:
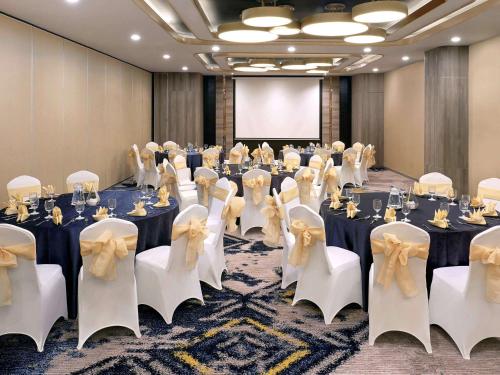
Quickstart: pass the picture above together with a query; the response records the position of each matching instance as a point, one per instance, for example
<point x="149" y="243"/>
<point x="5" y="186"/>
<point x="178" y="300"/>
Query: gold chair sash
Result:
<point x="209" y="160"/>
<point x="370" y="157"/>
<point x="290" y="163"/>
<point x="244" y="152"/>
<point x="304" y="182"/>
<point x="256" y="154"/>
<point x="330" y="178"/>
<point x="267" y="156"/>
<point x="131" y="159"/>
<point x="104" y="252"/>
<point x="396" y="254"/>
<point x="219" y="193"/>
<point x="421" y="188"/>
<point x="488" y="193"/>
<point x="196" y="233"/>
<point x="180" y="165"/>
<point x="23" y="192"/>
<point x="169" y="180"/>
<point x="148" y="159"/>
<point x="349" y="158"/>
<point x="316" y="164"/>
<point x="273" y="215"/>
<point x="204" y="184"/>
<point x="11" y="207"/>
<point x="257" y="184"/>
<point x="232" y="211"/>
<point x="289" y="195"/>
<point x="489" y="256"/>
<point x="8" y="259"/>
<point x="305" y="238"/>
<point x="235" y="157"/>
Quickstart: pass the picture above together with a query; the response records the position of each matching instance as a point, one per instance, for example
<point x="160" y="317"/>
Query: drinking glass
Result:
<point x="144" y="191"/>
<point x="79" y="208"/>
<point x="406" y="209"/>
<point x="111" y="206"/>
<point x="356" y="199"/>
<point x="377" y="206"/>
<point x="240" y="168"/>
<point x="463" y="206"/>
<point x="348" y="193"/>
<point x="148" y="194"/>
<point x="452" y="195"/>
<point x="49" y="206"/>
<point x="432" y="192"/>
<point x="34" y="203"/>
<point x="51" y="197"/>
<point x="466" y="197"/>
<point x="444" y="206"/>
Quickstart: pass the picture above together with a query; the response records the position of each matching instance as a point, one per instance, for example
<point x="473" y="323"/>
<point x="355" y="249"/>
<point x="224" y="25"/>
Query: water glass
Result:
<point x="144" y="191"/>
<point x="356" y="199"/>
<point x="452" y="195"/>
<point x="111" y="206"/>
<point x="406" y="209"/>
<point x="466" y="198"/>
<point x="377" y="206"/>
<point x="432" y="192"/>
<point x="348" y="193"/>
<point x="49" y="206"/>
<point x="148" y="192"/>
<point x="34" y="203"/>
<point x="463" y="206"/>
<point x="240" y="168"/>
<point x="444" y="206"/>
<point x="79" y="208"/>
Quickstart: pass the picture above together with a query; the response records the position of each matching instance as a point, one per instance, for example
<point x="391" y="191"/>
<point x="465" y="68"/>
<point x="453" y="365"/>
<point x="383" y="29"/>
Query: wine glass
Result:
<point x="406" y="209"/>
<point x="51" y="196"/>
<point x="144" y="191"/>
<point x="111" y="206"/>
<point x="377" y="206"/>
<point x="466" y="197"/>
<point x="148" y="194"/>
<point x="49" y="206"/>
<point x="348" y="193"/>
<point x="452" y="195"/>
<point x="240" y="168"/>
<point x="34" y="203"/>
<point x="79" y="208"/>
<point x="356" y="199"/>
<point x="463" y="205"/>
<point x="432" y="192"/>
<point x="444" y="206"/>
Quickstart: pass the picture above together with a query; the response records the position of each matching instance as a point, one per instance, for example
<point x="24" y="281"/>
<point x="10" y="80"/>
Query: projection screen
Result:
<point x="277" y="107"/>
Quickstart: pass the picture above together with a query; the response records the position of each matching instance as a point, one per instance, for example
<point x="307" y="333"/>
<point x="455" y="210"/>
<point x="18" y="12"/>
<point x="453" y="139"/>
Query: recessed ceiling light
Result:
<point x="295" y="65"/>
<point x="375" y="70"/>
<point x="292" y="49"/>
<point x="185" y="68"/>
<point x="332" y="24"/>
<point x="367" y="50"/>
<point x="456" y="39"/>
<point x="405" y="58"/>
<point x="317" y="71"/>
<point x="379" y="11"/>
<point x="166" y="56"/>
<point x="267" y="16"/>
<point x="135" y="37"/>
<point x="373" y="35"/>
<point x="72" y="1"/>
<point x="216" y="48"/>
<point x="262" y="63"/>
<point x="238" y="32"/>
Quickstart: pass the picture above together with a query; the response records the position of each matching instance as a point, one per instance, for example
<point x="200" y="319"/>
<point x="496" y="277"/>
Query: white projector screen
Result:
<point x="277" y="108"/>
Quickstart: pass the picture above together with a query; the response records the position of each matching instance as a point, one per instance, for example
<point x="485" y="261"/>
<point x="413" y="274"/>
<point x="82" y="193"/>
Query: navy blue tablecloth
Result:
<point x="61" y="244"/>
<point x="448" y="247"/>
<point x="306" y="156"/>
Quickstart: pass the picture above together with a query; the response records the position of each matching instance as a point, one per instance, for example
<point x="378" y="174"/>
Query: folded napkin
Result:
<point x="163" y="195"/>
<point x="22" y="213"/>
<point x="476" y="202"/>
<point x="351" y="210"/>
<point x="227" y="171"/>
<point x="476" y="217"/>
<point x="12" y="207"/>
<point x="57" y="216"/>
<point x="100" y="214"/>
<point x="390" y="215"/>
<point x="48" y="190"/>
<point x="490" y="209"/>
<point x="274" y="171"/>
<point x="138" y="210"/>
<point x="440" y="219"/>
<point x="336" y="203"/>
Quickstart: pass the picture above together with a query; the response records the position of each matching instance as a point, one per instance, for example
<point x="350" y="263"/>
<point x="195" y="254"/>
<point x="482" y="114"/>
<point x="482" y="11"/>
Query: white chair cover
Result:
<point x="81" y="177"/>
<point x="26" y="184"/>
<point x="251" y="216"/>
<point x="151" y="175"/>
<point x="338" y="146"/>
<point x="183" y="173"/>
<point x="208" y="174"/>
<point x="170" y="145"/>
<point x="361" y="169"/>
<point x="289" y="150"/>
<point x="315" y="161"/>
<point x="346" y="171"/>
<point x="153" y="146"/>
<point x="436" y="178"/>
<point x="489" y="190"/>
<point x="185" y="197"/>
<point x="139" y="166"/>
<point x="290" y="188"/>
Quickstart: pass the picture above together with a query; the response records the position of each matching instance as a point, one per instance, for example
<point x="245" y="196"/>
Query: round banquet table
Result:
<point x="194" y="159"/>
<point x="306" y="156"/>
<point x="61" y="244"/>
<point x="448" y="247"/>
<point x="237" y="178"/>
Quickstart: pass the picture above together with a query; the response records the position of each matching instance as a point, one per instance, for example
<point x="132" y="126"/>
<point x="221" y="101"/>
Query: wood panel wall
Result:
<point x="368" y="112"/>
<point x="64" y="107"/>
<point x="178" y="108"/>
<point x="446" y="113"/>
<point x="224" y="112"/>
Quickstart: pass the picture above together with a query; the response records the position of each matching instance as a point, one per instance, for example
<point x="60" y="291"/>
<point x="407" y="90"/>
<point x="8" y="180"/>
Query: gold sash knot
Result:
<point x="8" y="259"/>
<point x="489" y="256"/>
<point x="330" y="178"/>
<point x="232" y="211"/>
<point x="147" y="159"/>
<point x="305" y="185"/>
<point x="273" y="215"/>
<point x="235" y="157"/>
<point x="205" y="184"/>
<point x="256" y="184"/>
<point x="196" y="233"/>
<point x="305" y="238"/>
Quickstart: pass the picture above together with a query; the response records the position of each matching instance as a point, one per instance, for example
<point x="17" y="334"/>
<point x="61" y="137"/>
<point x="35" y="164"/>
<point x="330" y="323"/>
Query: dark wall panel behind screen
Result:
<point x="209" y="110"/>
<point x="345" y="110"/>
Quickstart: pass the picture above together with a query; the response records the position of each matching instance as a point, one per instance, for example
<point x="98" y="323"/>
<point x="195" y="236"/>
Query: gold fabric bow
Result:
<point x="104" y="252"/>
<point x="289" y="195"/>
<point x="11" y="207"/>
<point x="396" y="254"/>
<point x="235" y="157"/>
<point x="169" y="180"/>
<point x="204" y="184"/>
<point x="330" y="178"/>
<point x="370" y="157"/>
<point x="57" y="216"/>
<point x="489" y="256"/>
<point x="138" y="210"/>
<point x="100" y="214"/>
<point x="273" y="215"/>
<point x="390" y="215"/>
<point x="335" y="203"/>
<point x="305" y="238"/>
<point x="256" y="154"/>
<point x="304" y="181"/>
<point x="349" y="158"/>
<point x="291" y="164"/>
<point x="209" y="160"/>
<point x="163" y="195"/>
<point x="22" y="213"/>
<point x="232" y="211"/>
<point x="147" y="158"/>
<point x="256" y="184"/>
<point x="48" y="190"/>
<point x="476" y="217"/>
<point x="244" y="152"/>
<point x="439" y="219"/>
<point x="196" y="233"/>
<point x="8" y="259"/>
<point x="351" y="210"/>
<point x="267" y="156"/>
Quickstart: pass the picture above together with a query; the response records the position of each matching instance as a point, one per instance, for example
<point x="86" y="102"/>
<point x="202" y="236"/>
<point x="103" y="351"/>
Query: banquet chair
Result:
<point x="212" y="263"/>
<point x="289" y="196"/>
<point x="289" y="151"/>
<point x="389" y="308"/>
<point x="289" y="273"/>
<point x="183" y="174"/>
<point x="81" y="177"/>
<point x="358" y="147"/>
<point x="185" y="198"/>
<point x="308" y="195"/>
<point x="331" y="276"/>
<point x="209" y="175"/>
<point x="292" y="158"/>
<point x="265" y="145"/>
<point x="251" y="216"/>
<point x="338" y="146"/>
<point x="316" y="164"/>
<point x="153" y="146"/>
<point x="24" y="185"/>
<point x="266" y="150"/>
<point x="170" y="145"/>
<point x="441" y="182"/>
<point x="151" y="173"/>
<point x="361" y="169"/>
<point x="459" y="300"/>
<point x="489" y="191"/>
<point x="102" y="301"/>
<point x="238" y="146"/>
<point x="138" y="166"/>
<point x="164" y="280"/>
<point x="38" y="291"/>
<point x="346" y="170"/>
<point x="210" y="157"/>
<point x="235" y="156"/>
<point x="175" y="152"/>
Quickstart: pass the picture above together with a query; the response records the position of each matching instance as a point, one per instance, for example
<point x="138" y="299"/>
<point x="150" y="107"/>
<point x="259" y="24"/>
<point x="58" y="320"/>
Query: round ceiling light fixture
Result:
<point x="267" y="16"/>
<point x="373" y="35"/>
<point x="238" y="32"/>
<point x="317" y="71"/>
<point x="316" y="62"/>
<point x="294" y="65"/>
<point x="293" y="28"/>
<point x="380" y="11"/>
<point x="243" y="67"/>
<point x="262" y="63"/>
<point x="332" y="24"/>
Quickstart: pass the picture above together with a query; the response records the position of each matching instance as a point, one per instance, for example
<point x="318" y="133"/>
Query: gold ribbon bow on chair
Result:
<point x="180" y="164"/>
<point x="235" y="157"/>
<point x="196" y="233"/>
<point x="396" y="254"/>
<point x="148" y="160"/>
<point x="104" y="252"/>
<point x="489" y="256"/>
<point x="274" y="215"/>
<point x="48" y="190"/>
<point x="168" y="179"/>
<point x="209" y="160"/>
<point x="350" y="158"/>
<point x="8" y="259"/>
<point x="232" y="211"/>
<point x="256" y="154"/>
<point x="290" y="164"/>
<point x="11" y="207"/>
<point x="330" y="178"/>
<point x="131" y="159"/>
<point x="256" y="184"/>
<point x="370" y="157"/>
<point x="305" y="238"/>
<point x="244" y="152"/>
<point x="305" y="185"/>
<point x="267" y="156"/>
<point x="205" y="184"/>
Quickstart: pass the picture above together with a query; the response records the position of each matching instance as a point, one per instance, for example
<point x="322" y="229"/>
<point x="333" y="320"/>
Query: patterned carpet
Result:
<point x="249" y="327"/>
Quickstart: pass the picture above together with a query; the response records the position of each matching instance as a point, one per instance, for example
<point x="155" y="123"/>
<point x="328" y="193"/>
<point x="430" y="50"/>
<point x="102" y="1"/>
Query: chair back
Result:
<point x="222" y="193"/>
<point x="265" y="144"/>
<point x="290" y="150"/>
<point x="170" y="145"/>
<point x="173" y="188"/>
<point x="289" y="196"/>
<point x="183" y="172"/>
<point x="208" y="174"/>
<point x="235" y="156"/>
<point x="137" y="156"/>
<point x="338" y="146"/>
<point x="283" y="224"/>
<point x="292" y="158"/>
<point x="153" y="146"/>
<point x="248" y="192"/>
<point x="24" y="185"/>
<point x="316" y="163"/>
<point x="489" y="191"/>
<point x="238" y="146"/>
<point x="266" y="150"/>
<point x="441" y="182"/>
<point x="81" y="177"/>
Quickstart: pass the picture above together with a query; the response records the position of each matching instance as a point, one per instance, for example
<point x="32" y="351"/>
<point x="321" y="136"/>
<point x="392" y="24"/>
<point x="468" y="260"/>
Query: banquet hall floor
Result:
<point x="248" y="327"/>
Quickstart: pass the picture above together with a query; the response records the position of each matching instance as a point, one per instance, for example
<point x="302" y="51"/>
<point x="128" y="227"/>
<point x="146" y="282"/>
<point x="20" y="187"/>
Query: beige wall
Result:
<point x="64" y="107"/>
<point x="404" y="94"/>
<point x="484" y="111"/>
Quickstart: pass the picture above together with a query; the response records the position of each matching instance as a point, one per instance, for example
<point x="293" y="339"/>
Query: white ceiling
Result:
<point x="106" y="25"/>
